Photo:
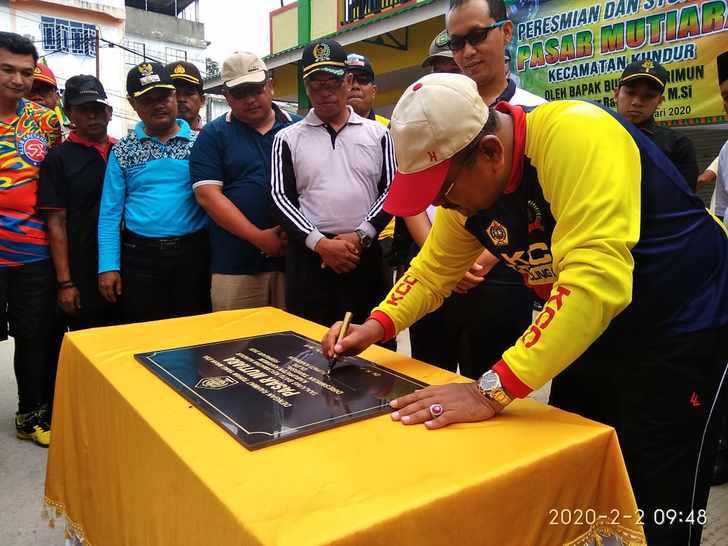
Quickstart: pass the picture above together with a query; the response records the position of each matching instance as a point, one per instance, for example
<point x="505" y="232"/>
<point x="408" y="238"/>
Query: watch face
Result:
<point x="364" y="238"/>
<point x="490" y="381"/>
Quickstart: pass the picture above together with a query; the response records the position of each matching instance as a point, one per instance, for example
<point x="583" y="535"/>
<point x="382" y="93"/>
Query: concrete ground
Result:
<point x="22" y="475"/>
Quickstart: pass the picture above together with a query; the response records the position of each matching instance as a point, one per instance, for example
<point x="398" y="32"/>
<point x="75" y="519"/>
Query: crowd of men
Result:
<point x="264" y="207"/>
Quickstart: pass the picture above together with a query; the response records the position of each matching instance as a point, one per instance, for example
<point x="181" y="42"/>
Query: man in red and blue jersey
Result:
<point x="27" y="131"/>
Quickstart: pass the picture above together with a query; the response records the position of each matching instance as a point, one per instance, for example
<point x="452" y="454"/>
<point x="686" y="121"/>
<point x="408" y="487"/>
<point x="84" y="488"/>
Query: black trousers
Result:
<point x="323" y="296"/>
<point x="473" y="329"/>
<point x="27" y="303"/>
<point x="92" y="317"/>
<point x="663" y="395"/>
<point x="165" y="278"/>
<point x="95" y="310"/>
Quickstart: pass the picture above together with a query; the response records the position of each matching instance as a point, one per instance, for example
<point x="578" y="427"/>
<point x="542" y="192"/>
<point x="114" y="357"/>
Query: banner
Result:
<point x="577" y="49"/>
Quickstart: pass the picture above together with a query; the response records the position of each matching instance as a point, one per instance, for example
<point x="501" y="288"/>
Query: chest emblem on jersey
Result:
<point x="497" y="233"/>
<point x="33" y="148"/>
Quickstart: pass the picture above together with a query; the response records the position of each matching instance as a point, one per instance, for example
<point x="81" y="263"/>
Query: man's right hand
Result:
<point x="358" y="338"/>
<point x="338" y="254"/>
<point x="271" y="242"/>
<point x="110" y="285"/>
<point x="707" y="177"/>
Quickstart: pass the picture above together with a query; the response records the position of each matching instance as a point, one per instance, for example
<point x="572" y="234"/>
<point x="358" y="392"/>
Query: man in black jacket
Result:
<point x="69" y="193"/>
<point x="640" y="93"/>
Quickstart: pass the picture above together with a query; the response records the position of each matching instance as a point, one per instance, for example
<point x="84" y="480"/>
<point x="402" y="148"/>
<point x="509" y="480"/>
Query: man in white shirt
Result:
<point x="330" y="175"/>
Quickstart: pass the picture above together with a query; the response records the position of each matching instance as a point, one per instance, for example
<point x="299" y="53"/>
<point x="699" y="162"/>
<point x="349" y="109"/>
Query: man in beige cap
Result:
<point x="628" y="337"/>
<point x="230" y="169"/>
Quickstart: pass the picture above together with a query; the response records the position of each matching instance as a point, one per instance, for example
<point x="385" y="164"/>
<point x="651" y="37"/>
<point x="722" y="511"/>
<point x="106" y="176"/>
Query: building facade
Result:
<point x="129" y="32"/>
<point x="164" y="31"/>
<point x="64" y="32"/>
<point x="561" y="49"/>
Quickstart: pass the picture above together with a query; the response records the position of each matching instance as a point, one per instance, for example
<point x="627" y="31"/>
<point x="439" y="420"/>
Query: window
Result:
<point x="68" y="36"/>
<point x="355" y="10"/>
<point x="174" y="54"/>
<point x="132" y="59"/>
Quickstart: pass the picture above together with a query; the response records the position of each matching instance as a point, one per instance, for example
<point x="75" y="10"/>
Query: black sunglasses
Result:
<point x="362" y="79"/>
<point x="474" y="37"/>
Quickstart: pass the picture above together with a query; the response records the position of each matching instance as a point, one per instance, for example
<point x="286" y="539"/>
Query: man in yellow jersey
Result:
<point x="632" y="268"/>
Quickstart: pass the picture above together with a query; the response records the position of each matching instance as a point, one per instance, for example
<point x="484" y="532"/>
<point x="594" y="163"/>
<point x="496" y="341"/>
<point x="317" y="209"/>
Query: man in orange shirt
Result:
<point x="27" y="288"/>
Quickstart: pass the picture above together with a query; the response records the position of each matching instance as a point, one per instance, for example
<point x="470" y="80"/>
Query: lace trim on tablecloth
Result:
<point x="596" y="533"/>
<point x="53" y="510"/>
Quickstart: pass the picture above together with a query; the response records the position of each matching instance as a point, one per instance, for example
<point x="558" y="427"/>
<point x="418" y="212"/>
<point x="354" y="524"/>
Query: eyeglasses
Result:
<point x="447" y="187"/>
<point x="474" y="37"/>
<point x="362" y="79"/>
<point x="244" y="91"/>
<point x="443" y="194"/>
<point x="332" y="84"/>
<point x="463" y="159"/>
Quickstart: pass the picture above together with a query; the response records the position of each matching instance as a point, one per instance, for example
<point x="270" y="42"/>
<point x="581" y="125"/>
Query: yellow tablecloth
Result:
<point x="133" y="463"/>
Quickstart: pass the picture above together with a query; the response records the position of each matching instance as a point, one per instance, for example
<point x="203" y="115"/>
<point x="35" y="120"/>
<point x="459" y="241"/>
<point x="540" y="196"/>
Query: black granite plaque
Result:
<point x="270" y="388"/>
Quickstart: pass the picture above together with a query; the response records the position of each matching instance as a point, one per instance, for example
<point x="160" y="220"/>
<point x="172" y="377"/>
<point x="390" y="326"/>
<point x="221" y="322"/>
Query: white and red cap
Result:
<point x="436" y="117"/>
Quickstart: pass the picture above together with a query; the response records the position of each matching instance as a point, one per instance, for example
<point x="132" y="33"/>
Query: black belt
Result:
<point x="163" y="243"/>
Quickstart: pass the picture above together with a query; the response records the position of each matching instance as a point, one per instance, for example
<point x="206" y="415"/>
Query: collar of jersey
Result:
<point x="315" y="121"/>
<point x="519" y="143"/>
<point x="649" y="127"/>
<point x="184" y="131"/>
<point x="508" y="92"/>
<point x="22" y="103"/>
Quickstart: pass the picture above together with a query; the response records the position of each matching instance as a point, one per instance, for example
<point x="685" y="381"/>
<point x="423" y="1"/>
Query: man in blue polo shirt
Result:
<point x="230" y="171"/>
<point x="162" y="268"/>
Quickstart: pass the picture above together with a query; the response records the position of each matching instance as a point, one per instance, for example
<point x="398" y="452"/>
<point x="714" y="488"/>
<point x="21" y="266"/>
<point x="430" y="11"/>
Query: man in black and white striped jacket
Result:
<point x="330" y="174"/>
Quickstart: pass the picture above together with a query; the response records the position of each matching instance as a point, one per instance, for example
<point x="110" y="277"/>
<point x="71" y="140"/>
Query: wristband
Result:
<point x="66" y="284"/>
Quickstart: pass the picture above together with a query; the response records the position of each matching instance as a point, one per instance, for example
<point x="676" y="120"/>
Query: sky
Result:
<point x="238" y="25"/>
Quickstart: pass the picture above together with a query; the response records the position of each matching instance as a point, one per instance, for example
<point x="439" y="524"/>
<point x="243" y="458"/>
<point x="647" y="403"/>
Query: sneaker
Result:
<point x="33" y="426"/>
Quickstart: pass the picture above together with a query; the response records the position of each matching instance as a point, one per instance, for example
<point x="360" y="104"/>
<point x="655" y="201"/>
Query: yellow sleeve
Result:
<point x="447" y="254"/>
<point x="593" y="187"/>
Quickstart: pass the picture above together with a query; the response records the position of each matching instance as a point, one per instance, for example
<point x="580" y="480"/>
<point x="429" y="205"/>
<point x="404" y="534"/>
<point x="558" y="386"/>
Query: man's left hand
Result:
<point x="472" y="278"/>
<point x="461" y="402"/>
<point x="482" y="266"/>
<point x="353" y="238"/>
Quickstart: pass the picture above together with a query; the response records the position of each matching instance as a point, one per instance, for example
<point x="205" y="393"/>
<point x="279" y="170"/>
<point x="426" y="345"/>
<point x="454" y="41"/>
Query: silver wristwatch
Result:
<point x="364" y="238"/>
<point x="491" y="387"/>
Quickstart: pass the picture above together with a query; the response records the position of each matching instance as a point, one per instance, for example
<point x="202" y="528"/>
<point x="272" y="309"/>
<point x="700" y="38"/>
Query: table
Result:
<point x="132" y="463"/>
